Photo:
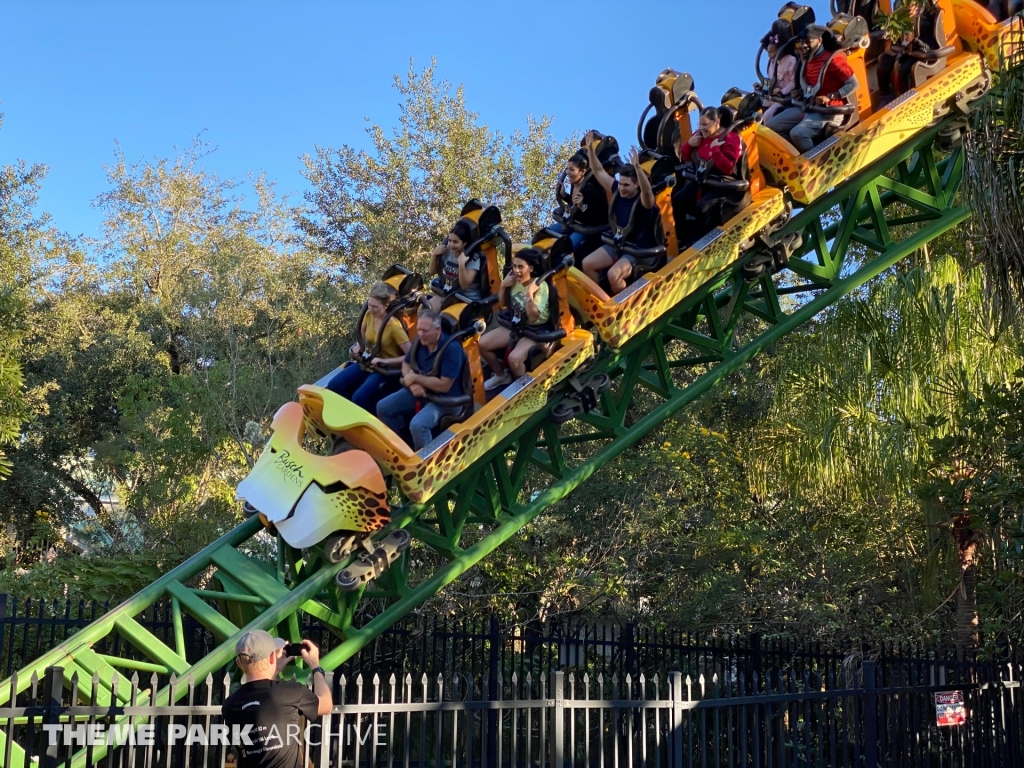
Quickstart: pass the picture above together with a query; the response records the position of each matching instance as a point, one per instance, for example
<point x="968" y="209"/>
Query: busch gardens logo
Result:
<point x="291" y="469"/>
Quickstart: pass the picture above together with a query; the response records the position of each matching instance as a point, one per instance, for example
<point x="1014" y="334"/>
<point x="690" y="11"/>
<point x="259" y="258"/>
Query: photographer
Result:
<point x="273" y="707"/>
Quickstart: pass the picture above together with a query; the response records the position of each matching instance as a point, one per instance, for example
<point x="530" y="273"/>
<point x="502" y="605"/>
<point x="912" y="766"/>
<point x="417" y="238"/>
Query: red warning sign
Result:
<point x="949" y="709"/>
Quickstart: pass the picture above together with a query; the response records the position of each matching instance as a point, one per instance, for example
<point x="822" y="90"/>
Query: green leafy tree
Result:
<point x="995" y="192"/>
<point x="22" y="236"/>
<point x="977" y="476"/>
<point x="394" y="204"/>
<point x="236" y="315"/>
<point x="864" y="394"/>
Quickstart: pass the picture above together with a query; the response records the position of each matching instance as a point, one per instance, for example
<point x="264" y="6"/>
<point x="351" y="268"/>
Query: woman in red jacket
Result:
<point x="701" y="203"/>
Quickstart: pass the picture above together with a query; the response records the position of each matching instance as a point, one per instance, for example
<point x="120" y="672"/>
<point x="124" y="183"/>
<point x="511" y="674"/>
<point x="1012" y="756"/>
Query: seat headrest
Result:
<point x="793" y="20"/>
<point x="607" y="150"/>
<point x="402" y="279"/>
<point x="489" y="219"/>
<point x="460" y="312"/>
<point x="557" y="252"/>
<point x="471" y="205"/>
<point x="660" y="99"/>
<point x="480" y="220"/>
<point x="449" y="324"/>
<point x="849" y="31"/>
<point x="929" y="26"/>
<point x="659" y="169"/>
<point x="674" y="84"/>
<point x="727" y="115"/>
<point x="748" y="107"/>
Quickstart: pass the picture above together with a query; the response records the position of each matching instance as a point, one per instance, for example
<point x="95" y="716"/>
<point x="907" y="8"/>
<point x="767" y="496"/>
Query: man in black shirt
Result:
<point x="273" y="707"/>
<point x="634" y="217"/>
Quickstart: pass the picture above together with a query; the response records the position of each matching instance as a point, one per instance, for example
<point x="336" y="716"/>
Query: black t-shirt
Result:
<point x="273" y="708"/>
<point x="594" y="210"/>
<point x="643" y="232"/>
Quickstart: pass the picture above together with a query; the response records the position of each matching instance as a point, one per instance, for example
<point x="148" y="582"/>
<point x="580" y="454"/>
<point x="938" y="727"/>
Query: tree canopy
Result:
<point x="860" y="479"/>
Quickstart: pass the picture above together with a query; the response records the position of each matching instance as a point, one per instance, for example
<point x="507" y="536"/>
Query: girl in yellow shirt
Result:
<point x="366" y="387"/>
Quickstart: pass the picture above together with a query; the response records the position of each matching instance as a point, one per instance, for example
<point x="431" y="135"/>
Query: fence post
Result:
<point x="492" y="694"/>
<point x="557" y="721"/>
<point x="676" y="687"/>
<point x="53" y="706"/>
<point x="870" y="716"/>
<point x="3" y="626"/>
<point x="630" y="641"/>
<point x="753" y="662"/>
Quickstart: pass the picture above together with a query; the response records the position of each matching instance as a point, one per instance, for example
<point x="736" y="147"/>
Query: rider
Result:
<point x="913" y="48"/>
<point x="633" y="215"/>
<point x="781" y="74"/>
<point x="530" y="304"/>
<point x="459" y="271"/>
<point x="1003" y="9"/>
<point x="715" y="153"/>
<point x="366" y="388"/>
<point x="434" y="365"/>
<point x="827" y="79"/>
<point x="588" y="203"/>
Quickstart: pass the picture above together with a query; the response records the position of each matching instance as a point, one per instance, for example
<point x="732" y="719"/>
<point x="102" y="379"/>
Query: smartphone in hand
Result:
<point x="293" y="649"/>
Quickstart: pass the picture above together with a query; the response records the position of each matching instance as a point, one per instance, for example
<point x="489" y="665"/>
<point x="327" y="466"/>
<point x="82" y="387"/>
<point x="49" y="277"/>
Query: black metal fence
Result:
<point x="29" y="628"/>
<point x="870" y="715"/>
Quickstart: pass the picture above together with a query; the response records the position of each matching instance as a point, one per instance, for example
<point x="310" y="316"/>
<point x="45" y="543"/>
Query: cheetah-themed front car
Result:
<point x="341" y="499"/>
<point x="338" y="500"/>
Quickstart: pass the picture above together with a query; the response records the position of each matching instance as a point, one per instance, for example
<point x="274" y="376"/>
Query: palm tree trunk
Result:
<point x="966" y="631"/>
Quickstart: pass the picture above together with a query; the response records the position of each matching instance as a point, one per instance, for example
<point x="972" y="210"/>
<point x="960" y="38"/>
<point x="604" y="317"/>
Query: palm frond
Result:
<point x="995" y="191"/>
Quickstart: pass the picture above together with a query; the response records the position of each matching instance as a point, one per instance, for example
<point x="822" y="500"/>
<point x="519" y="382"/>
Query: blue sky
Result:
<point x="267" y="82"/>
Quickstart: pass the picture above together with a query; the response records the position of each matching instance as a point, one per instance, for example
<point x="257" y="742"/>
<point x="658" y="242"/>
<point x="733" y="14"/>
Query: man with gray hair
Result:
<point x="273" y="708"/>
<point x="433" y="365"/>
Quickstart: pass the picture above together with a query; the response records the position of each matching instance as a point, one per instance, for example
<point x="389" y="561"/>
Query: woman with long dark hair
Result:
<point x="529" y="301"/>
<point x="715" y="154"/>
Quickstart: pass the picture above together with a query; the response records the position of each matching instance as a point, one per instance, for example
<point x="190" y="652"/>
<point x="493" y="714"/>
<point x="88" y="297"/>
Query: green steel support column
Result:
<point x="179" y="632"/>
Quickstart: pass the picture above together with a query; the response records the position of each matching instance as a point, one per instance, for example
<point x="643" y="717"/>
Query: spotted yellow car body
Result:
<point x="420" y="474"/>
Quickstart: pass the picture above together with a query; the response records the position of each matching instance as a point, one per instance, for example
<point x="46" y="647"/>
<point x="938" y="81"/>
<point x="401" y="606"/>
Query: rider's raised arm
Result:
<point x="606" y="180"/>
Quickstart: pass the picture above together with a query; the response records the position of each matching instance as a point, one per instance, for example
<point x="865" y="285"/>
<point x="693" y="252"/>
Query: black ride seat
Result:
<point x="607" y="150"/>
<point x="661" y="171"/>
<point x="658" y="134"/>
<point x="738" y="112"/>
<point x="792" y="20"/>
<point x="929" y="27"/>
<point x="484" y="223"/>
<point x="557" y="258"/>
<point x="848" y="33"/>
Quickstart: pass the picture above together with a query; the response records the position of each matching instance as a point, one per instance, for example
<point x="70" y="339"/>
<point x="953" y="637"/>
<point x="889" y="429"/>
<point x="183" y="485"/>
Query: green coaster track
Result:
<point x="851" y="234"/>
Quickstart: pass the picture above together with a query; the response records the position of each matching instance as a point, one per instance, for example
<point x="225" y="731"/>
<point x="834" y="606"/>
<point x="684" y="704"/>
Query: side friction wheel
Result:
<point x="338" y="546"/>
<point x="369" y="566"/>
